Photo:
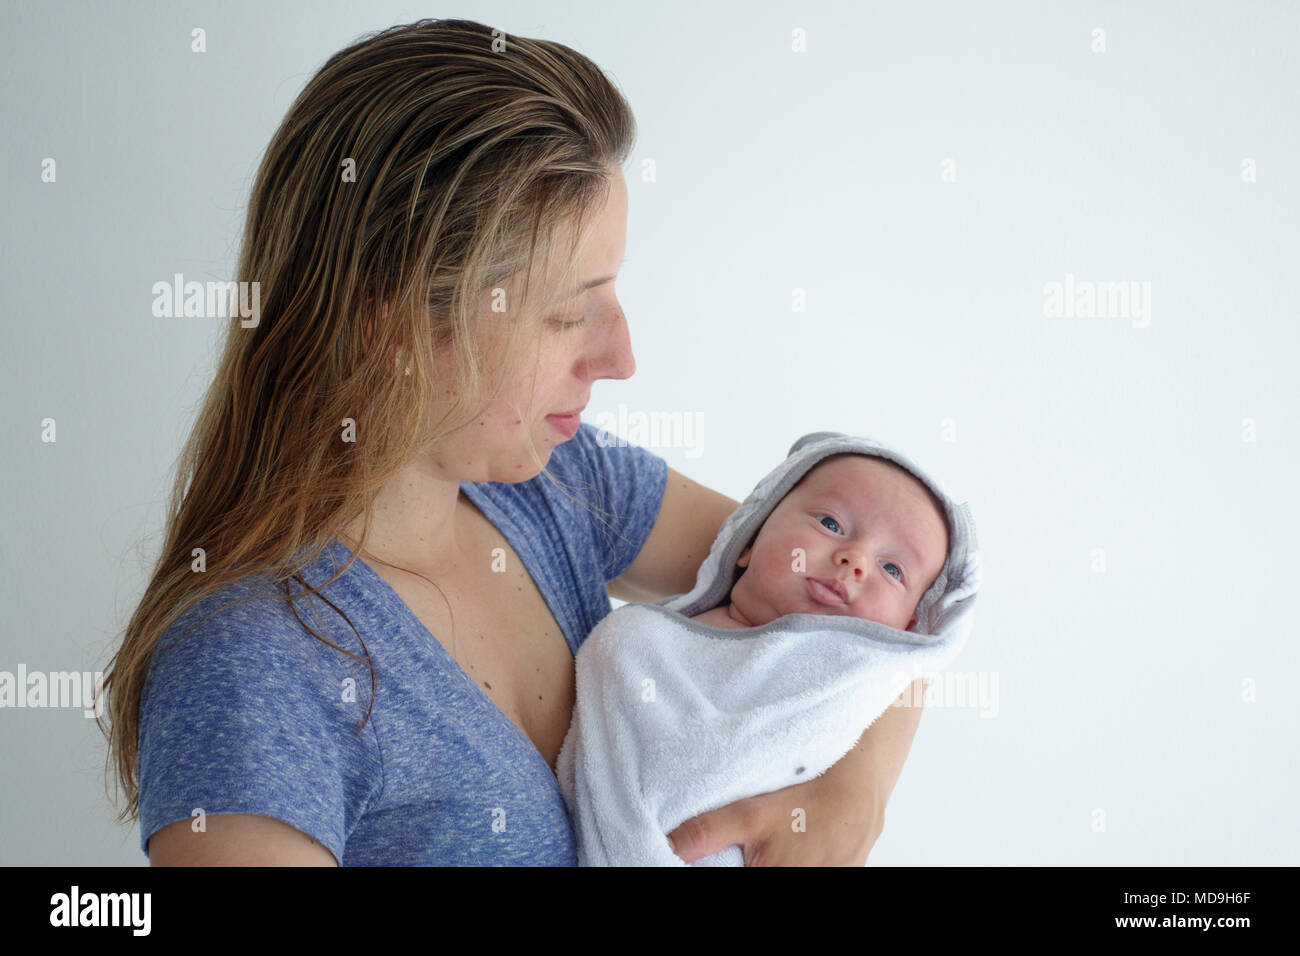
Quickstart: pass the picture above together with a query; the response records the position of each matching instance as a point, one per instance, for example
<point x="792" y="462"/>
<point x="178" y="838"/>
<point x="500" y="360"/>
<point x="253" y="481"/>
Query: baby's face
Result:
<point x="872" y="542"/>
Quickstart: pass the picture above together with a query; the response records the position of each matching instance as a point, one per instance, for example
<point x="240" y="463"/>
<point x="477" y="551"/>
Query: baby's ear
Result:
<point x="743" y="560"/>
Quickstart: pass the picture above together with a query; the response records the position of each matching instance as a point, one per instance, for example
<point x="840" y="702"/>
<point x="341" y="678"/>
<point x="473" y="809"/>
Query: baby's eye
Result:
<point x="891" y="564"/>
<point x="832" y="521"/>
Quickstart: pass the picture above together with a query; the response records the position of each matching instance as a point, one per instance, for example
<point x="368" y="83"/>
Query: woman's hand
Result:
<point x="809" y="824"/>
<point x="831" y="820"/>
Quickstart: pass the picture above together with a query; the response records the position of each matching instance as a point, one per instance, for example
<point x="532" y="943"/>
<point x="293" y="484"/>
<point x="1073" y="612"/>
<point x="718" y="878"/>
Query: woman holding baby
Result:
<point x="390" y="531"/>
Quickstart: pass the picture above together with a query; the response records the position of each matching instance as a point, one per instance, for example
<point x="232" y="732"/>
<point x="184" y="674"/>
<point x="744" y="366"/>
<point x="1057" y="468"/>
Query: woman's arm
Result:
<point x="689" y="519"/>
<point x="236" y="839"/>
<point x="844" y="808"/>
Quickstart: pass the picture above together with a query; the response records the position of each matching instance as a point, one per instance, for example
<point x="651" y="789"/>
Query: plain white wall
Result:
<point x="1143" y="714"/>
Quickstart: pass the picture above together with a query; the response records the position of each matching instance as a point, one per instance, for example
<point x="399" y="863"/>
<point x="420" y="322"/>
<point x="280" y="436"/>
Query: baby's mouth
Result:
<point x="830" y="593"/>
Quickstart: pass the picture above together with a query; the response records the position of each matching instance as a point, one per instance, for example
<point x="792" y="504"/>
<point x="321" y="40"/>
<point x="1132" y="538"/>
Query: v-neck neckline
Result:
<point x="482" y="504"/>
<point x="380" y="586"/>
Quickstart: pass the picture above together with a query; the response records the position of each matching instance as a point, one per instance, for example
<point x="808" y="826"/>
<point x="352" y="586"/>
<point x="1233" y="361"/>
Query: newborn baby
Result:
<point x="841" y="576"/>
<point x="857" y="536"/>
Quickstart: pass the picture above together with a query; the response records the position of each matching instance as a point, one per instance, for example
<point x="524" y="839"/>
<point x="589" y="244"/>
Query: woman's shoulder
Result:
<point x="248" y="633"/>
<point x="244" y="711"/>
<point x="241" y="665"/>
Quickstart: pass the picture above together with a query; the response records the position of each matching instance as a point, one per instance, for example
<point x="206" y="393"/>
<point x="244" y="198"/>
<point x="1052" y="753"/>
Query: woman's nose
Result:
<point x="611" y="355"/>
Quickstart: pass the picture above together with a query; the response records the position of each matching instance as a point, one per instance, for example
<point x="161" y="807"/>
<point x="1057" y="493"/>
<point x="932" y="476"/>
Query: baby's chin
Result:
<point x="731" y="617"/>
<point x="718" y="617"/>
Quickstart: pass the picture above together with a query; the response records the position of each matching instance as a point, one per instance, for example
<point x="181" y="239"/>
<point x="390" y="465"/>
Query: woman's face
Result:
<point x="583" y="337"/>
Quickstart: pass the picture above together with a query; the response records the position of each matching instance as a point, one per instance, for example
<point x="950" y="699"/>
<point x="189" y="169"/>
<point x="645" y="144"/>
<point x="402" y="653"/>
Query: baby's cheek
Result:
<point x="794" y="560"/>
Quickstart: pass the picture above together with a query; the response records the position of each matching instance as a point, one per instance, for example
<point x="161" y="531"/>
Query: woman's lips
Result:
<point x="566" y="425"/>
<point x="824" y="592"/>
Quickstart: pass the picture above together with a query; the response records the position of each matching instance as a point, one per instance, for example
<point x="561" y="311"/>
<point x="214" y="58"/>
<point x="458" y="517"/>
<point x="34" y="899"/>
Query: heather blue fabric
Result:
<point x="248" y="713"/>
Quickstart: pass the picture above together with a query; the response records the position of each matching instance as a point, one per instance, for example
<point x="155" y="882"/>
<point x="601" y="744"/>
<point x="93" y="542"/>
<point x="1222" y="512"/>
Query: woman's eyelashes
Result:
<point x="837" y="529"/>
<point x="570" y="323"/>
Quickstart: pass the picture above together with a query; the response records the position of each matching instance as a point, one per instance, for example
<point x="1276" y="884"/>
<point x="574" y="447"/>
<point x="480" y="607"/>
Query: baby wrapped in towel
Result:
<point x="842" y="576"/>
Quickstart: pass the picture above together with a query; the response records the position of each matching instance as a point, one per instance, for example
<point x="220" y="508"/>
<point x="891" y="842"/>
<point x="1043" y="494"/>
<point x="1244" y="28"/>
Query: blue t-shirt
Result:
<point x="248" y="713"/>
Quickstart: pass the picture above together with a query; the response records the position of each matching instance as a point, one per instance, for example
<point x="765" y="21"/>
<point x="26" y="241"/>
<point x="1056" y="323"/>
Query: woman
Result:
<point x="390" y="533"/>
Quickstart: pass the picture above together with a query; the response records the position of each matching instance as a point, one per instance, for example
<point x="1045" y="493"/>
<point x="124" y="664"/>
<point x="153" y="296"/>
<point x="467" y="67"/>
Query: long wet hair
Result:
<point x="419" y="169"/>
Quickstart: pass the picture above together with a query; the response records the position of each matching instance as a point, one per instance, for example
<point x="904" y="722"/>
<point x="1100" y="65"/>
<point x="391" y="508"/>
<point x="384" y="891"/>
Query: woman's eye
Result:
<point x="832" y="521"/>
<point x="573" y="324"/>
<point x="891" y="564"/>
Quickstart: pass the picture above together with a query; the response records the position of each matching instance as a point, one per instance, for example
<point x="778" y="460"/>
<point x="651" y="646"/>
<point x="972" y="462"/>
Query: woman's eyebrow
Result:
<point x="592" y="283"/>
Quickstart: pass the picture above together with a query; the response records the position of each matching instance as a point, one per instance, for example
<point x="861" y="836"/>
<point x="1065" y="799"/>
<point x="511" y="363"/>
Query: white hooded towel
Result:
<point x="674" y="718"/>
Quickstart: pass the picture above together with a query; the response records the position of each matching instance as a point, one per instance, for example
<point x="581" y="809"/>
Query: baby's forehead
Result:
<point x="850" y="471"/>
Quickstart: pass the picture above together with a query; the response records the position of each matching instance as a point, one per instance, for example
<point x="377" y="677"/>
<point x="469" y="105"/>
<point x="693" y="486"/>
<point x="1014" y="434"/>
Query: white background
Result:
<point x="1120" y="693"/>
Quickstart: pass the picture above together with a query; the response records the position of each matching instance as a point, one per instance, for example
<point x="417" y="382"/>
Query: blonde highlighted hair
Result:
<point x="473" y="151"/>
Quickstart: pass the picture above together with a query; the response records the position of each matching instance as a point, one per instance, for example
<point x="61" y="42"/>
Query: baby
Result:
<point x="857" y="536"/>
<point x="679" y="711"/>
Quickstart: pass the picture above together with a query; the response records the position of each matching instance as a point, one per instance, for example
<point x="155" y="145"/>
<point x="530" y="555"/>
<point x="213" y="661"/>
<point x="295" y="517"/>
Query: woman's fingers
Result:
<point x="737" y="824"/>
<point x="765" y="827"/>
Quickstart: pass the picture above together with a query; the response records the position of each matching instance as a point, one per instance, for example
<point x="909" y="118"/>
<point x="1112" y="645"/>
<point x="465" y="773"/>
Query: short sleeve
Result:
<point x="629" y="483"/>
<point x="249" y="713"/>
